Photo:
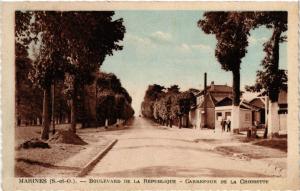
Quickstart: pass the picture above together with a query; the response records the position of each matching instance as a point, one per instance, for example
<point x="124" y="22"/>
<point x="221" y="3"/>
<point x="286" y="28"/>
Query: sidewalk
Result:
<point x="62" y="159"/>
<point x="258" y="152"/>
<point x="97" y="143"/>
<point x="73" y="165"/>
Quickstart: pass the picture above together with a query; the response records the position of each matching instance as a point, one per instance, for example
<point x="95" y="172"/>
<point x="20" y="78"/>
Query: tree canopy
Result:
<point x="113" y="100"/>
<point x="167" y="104"/>
<point x="71" y="46"/>
<point x="270" y="79"/>
<point x="231" y="30"/>
<point x="153" y="93"/>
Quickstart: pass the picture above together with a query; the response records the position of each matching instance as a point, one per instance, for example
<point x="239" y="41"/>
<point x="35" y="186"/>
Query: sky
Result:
<point x="167" y="48"/>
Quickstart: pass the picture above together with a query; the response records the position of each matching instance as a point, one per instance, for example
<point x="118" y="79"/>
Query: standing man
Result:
<point x="223" y="123"/>
<point x="228" y="125"/>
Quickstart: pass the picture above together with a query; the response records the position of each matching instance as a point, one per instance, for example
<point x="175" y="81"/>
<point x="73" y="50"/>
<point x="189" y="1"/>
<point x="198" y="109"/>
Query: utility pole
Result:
<point x="205" y="101"/>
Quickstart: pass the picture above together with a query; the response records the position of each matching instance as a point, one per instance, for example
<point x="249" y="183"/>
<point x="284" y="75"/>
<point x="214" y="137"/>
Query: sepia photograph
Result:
<point x="198" y="95"/>
<point x="190" y="92"/>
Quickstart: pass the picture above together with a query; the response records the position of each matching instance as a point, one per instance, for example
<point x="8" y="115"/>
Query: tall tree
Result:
<point x="93" y="35"/>
<point x="174" y="89"/>
<point x="232" y="31"/>
<point x="75" y="43"/>
<point x="51" y="61"/>
<point x="152" y="94"/>
<point x="271" y="79"/>
<point x="28" y="102"/>
<point x="22" y="62"/>
<point x="186" y="100"/>
<point x="113" y="101"/>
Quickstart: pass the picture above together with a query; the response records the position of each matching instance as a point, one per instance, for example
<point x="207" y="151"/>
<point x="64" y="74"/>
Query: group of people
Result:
<point x="225" y="124"/>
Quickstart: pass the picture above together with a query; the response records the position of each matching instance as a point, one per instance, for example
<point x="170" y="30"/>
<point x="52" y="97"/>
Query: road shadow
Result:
<point x="47" y="165"/>
<point x="175" y="171"/>
<point x="168" y="147"/>
<point x="158" y="138"/>
<point x="280" y="144"/>
<point x="21" y="173"/>
<point x="250" y="151"/>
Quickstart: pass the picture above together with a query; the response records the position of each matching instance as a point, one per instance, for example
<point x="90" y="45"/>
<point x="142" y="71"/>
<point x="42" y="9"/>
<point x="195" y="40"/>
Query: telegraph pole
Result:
<point x="205" y="101"/>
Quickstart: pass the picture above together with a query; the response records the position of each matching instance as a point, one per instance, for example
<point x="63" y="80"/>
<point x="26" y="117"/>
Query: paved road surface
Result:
<point x="149" y="150"/>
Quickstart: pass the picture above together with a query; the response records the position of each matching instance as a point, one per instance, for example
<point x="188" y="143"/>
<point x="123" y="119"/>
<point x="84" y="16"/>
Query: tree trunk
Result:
<point x="74" y="108"/>
<point x="248" y="133"/>
<point x="60" y="117"/>
<point x="53" y="108"/>
<point x="85" y="119"/>
<point x="273" y="119"/>
<point x="266" y="131"/>
<point x="38" y="121"/>
<point x="106" y="123"/>
<point x="236" y="99"/>
<point x="19" y="121"/>
<point x="180" y="122"/>
<point x="46" y="117"/>
<point x="266" y="118"/>
<point x="187" y="121"/>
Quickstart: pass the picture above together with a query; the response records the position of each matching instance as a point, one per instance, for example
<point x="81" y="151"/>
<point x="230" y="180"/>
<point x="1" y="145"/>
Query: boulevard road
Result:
<point x="146" y="149"/>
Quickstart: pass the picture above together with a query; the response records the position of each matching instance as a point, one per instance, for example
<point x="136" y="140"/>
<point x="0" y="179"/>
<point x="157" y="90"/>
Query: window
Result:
<point x="227" y="115"/>
<point x="219" y="116"/>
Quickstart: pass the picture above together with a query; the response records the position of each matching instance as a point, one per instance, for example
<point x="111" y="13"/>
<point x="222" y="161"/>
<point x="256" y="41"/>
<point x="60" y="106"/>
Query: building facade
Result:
<point x="206" y="103"/>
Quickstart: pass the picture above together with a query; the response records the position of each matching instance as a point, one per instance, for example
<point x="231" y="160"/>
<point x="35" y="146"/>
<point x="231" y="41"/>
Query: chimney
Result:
<point x="212" y="86"/>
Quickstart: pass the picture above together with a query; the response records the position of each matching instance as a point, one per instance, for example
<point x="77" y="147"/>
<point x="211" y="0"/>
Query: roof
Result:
<point x="219" y="98"/>
<point x="257" y="102"/>
<point x="246" y="105"/>
<point x="282" y="99"/>
<point x="217" y="88"/>
<point x="224" y="102"/>
<point x="211" y="101"/>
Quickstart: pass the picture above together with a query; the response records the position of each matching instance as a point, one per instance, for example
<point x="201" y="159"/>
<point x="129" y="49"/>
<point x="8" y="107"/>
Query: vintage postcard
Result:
<point x="150" y="96"/>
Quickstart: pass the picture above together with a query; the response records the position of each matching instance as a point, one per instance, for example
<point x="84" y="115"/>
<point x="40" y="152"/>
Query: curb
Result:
<point x="89" y="166"/>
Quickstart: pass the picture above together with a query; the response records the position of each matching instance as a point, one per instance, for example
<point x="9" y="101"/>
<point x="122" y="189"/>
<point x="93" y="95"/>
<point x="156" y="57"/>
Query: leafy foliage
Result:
<point x="152" y="94"/>
<point x="28" y="102"/>
<point x="70" y="48"/>
<point x="74" y="42"/>
<point x="271" y="79"/>
<point x="169" y="105"/>
<point x="113" y="101"/>
<point x="231" y="30"/>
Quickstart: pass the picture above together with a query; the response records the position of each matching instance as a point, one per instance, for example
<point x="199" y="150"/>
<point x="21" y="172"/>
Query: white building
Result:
<point x="223" y="111"/>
